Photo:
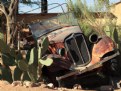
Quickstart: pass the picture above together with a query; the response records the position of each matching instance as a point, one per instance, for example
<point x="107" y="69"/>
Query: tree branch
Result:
<point x="12" y="6"/>
<point x="2" y="8"/>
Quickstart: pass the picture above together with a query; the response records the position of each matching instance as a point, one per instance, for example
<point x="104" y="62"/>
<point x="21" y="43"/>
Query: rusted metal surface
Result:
<point x="94" y="66"/>
<point x="102" y="47"/>
<point x="60" y="34"/>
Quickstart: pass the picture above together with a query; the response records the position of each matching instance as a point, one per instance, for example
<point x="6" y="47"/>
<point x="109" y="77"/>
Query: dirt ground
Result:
<point x="4" y="86"/>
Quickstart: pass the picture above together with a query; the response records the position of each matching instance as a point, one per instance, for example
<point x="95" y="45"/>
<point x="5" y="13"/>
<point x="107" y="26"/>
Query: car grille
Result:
<point x="77" y="49"/>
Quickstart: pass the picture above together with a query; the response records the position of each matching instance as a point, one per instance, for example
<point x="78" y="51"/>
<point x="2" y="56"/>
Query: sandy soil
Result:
<point x="5" y="86"/>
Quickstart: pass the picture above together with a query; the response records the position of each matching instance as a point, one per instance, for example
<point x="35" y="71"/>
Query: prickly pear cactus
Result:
<point x="29" y="69"/>
<point x="41" y="50"/>
<point x="12" y="52"/>
<point x="26" y="76"/>
<point x="115" y="36"/>
<point x="44" y="46"/>
<point x="33" y="56"/>
<point x="31" y="59"/>
<point x="17" y="74"/>
<point x="46" y="62"/>
<point x="8" y="59"/>
<point x="1" y="36"/>
<point x="18" y="57"/>
<point x="22" y="65"/>
<point x="4" y="48"/>
<point x="32" y="72"/>
<point x="39" y="53"/>
<point x="6" y="74"/>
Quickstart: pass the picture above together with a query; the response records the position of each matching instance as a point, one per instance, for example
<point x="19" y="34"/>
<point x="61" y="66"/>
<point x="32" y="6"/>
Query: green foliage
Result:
<point x="87" y="16"/>
<point x="107" y="31"/>
<point x="0" y="21"/>
<point x="28" y="55"/>
<point x="26" y="76"/>
<point x="23" y="65"/>
<point x="114" y="33"/>
<point x="33" y="56"/>
<point x="8" y="59"/>
<point x="18" y="56"/>
<point x="32" y="72"/>
<point x="17" y="74"/>
<point x="31" y="59"/>
<point x="88" y="20"/>
<point x="11" y="57"/>
<point x="29" y="69"/>
<point x="12" y="52"/>
<point x="44" y="46"/>
<point x="115" y="36"/>
<point x="1" y="35"/>
<point x="4" y="48"/>
<point x="6" y="74"/>
<point x="87" y="30"/>
<point x="46" y="62"/>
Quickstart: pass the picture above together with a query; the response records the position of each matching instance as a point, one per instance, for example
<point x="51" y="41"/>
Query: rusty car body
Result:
<point x="75" y="55"/>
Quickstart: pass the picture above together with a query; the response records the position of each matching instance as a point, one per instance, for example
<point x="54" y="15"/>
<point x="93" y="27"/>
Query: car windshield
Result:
<point x="39" y="29"/>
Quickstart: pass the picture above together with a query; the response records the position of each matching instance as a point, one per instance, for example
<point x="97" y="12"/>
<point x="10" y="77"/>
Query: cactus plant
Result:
<point x="46" y="62"/>
<point x="44" y="45"/>
<point x="36" y="59"/>
<point x="18" y="57"/>
<point x="8" y="59"/>
<point x="41" y="50"/>
<point x="6" y="74"/>
<point x="29" y="69"/>
<point x="33" y="63"/>
<point x="1" y="36"/>
<point x="32" y="72"/>
<point x="4" y="48"/>
<point x="17" y="74"/>
<point x="115" y="36"/>
<point x="22" y="65"/>
<point x="31" y="59"/>
<point x="12" y="52"/>
<point x="26" y="76"/>
<point x="33" y="56"/>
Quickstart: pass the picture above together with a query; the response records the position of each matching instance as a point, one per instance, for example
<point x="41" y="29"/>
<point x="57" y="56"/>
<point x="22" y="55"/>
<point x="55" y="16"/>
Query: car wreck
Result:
<point x="77" y="59"/>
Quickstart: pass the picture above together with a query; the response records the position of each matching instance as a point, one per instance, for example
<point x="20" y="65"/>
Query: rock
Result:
<point x="36" y="84"/>
<point x="27" y="84"/>
<point x="62" y="89"/>
<point x="17" y="83"/>
<point x="77" y="86"/>
<point x="50" y="85"/>
<point x="5" y="82"/>
<point x="43" y="85"/>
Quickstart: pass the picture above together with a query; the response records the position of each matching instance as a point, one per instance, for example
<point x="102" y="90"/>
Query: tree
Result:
<point x="87" y="14"/>
<point x="9" y="9"/>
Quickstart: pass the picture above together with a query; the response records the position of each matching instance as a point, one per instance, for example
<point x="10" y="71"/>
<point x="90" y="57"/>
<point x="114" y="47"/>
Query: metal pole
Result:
<point x="44" y="6"/>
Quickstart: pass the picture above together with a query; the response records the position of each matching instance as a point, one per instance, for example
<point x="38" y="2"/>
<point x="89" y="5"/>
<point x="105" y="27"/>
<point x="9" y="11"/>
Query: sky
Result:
<point x="30" y="9"/>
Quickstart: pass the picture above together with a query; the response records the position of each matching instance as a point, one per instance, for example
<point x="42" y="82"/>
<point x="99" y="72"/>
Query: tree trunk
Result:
<point x="11" y="18"/>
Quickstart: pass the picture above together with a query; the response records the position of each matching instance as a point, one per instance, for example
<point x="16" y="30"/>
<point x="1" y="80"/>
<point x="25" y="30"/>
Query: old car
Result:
<point x="77" y="59"/>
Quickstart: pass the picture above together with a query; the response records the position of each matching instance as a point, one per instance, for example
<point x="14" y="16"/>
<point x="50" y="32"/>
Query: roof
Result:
<point x="116" y="3"/>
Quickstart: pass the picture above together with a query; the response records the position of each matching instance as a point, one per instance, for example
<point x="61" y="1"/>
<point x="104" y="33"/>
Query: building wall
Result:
<point x="116" y="10"/>
<point x="28" y="18"/>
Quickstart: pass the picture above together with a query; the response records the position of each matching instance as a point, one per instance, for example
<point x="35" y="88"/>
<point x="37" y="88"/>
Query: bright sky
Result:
<point x="25" y="8"/>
